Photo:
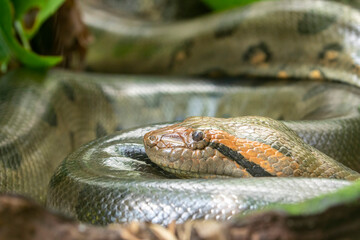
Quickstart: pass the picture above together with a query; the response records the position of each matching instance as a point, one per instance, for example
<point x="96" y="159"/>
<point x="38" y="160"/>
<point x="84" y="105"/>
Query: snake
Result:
<point x="102" y="148"/>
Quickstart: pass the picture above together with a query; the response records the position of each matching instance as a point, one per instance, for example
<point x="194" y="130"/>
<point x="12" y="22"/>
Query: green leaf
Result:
<point x="42" y="9"/>
<point x="218" y="5"/>
<point x="10" y="47"/>
<point x="348" y="194"/>
<point x="4" y="55"/>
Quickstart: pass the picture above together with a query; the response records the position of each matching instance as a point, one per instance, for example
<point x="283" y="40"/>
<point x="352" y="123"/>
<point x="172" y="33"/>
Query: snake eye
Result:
<point x="197" y="136"/>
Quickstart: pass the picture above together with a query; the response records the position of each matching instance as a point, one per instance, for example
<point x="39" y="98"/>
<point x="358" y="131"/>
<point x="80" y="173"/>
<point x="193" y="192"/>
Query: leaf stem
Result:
<point x="22" y="35"/>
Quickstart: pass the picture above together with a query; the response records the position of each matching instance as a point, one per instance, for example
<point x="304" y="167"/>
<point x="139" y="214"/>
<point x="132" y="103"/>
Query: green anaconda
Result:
<point x="46" y="116"/>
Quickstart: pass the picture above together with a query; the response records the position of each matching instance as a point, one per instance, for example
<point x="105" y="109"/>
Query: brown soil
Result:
<point x="23" y="219"/>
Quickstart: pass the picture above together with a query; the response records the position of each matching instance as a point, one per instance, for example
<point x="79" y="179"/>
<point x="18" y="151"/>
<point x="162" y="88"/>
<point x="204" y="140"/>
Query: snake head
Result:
<point x="239" y="147"/>
<point x="187" y="150"/>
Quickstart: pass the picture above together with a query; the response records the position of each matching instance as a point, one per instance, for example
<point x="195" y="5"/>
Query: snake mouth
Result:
<point x="190" y="174"/>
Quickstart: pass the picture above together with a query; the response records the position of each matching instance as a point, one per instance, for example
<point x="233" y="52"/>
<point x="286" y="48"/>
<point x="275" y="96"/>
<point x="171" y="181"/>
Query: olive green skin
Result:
<point x="287" y="38"/>
<point x="87" y="183"/>
<point x="50" y="115"/>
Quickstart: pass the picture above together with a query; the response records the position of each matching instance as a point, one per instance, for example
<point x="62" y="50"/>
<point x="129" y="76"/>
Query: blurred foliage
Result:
<point x="218" y="5"/>
<point x="19" y="22"/>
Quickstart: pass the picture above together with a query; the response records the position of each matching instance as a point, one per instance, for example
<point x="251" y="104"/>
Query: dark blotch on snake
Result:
<point x="132" y="150"/>
<point x="104" y="94"/>
<point x="224" y="32"/>
<point x="313" y="23"/>
<point x="50" y="116"/>
<point x="254" y="49"/>
<point x="11" y="157"/>
<point x="69" y="91"/>
<point x="330" y="47"/>
<point x="100" y="130"/>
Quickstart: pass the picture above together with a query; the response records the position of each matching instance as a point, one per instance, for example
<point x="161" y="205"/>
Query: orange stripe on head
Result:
<point x="261" y="154"/>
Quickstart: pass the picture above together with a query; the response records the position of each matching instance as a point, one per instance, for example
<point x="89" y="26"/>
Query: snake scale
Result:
<point x="47" y="115"/>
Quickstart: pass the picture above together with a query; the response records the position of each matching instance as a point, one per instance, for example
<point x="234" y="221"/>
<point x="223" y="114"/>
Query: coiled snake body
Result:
<point x="111" y="179"/>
